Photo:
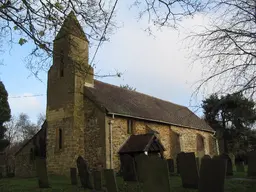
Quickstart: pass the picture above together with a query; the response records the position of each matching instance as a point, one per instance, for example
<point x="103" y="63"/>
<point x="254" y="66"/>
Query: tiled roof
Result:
<point x="124" y="102"/>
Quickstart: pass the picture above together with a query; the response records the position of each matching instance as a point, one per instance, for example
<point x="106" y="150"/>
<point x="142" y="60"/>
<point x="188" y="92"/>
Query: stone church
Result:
<point x="99" y="121"/>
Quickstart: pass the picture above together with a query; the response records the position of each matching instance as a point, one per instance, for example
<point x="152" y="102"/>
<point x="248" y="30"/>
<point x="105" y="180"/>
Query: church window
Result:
<point x="61" y="63"/>
<point x="200" y="143"/>
<point x="31" y="155"/>
<point x="130" y="125"/>
<point x="59" y="139"/>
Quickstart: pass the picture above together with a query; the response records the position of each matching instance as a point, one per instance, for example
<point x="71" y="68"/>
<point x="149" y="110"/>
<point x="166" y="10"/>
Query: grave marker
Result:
<point x="97" y="180"/>
<point x="110" y="179"/>
<point x="157" y="178"/>
<point x="128" y="168"/>
<point x="170" y="165"/>
<point x="229" y="171"/>
<point x="188" y="170"/>
<point x="252" y="164"/>
<point x="73" y="176"/>
<point x="212" y="175"/>
<point x="41" y="172"/>
<point x="83" y="173"/>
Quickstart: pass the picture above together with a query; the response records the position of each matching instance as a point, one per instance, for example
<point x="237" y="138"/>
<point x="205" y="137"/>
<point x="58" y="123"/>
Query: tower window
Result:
<point x="130" y="126"/>
<point x="61" y="63"/>
<point x="60" y="139"/>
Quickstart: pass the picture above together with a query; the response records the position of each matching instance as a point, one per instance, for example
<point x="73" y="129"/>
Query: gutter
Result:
<point x="159" y="121"/>
<point x="111" y="140"/>
<point x="217" y="143"/>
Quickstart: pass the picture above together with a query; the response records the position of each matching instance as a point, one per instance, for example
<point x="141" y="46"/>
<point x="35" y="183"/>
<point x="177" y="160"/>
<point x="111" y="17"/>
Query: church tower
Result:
<point x="67" y="77"/>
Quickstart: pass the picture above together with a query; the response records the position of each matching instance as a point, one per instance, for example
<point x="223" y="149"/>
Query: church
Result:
<point x="99" y="121"/>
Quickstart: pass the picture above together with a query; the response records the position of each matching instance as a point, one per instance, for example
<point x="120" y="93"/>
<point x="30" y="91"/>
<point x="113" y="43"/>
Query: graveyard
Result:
<point x="144" y="174"/>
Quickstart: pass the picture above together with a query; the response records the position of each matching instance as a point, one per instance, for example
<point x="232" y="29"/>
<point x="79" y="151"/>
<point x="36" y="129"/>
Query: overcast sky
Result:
<point x="157" y="65"/>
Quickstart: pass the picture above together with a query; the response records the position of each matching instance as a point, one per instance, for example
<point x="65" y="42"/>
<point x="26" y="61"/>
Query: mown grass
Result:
<point x="62" y="184"/>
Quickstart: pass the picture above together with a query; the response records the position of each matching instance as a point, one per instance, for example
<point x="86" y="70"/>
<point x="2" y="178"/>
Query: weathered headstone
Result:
<point x="188" y="170"/>
<point x="177" y="161"/>
<point x="252" y="164"/>
<point x="229" y="171"/>
<point x="42" y="172"/>
<point x="83" y="173"/>
<point x="128" y="168"/>
<point x="170" y="165"/>
<point x="73" y="176"/>
<point x="97" y="180"/>
<point x="141" y="166"/>
<point x="212" y="175"/>
<point x="240" y="167"/>
<point x="157" y="178"/>
<point x="110" y="179"/>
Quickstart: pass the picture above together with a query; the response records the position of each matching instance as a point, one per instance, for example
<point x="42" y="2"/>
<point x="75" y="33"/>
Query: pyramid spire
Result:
<point x="71" y="26"/>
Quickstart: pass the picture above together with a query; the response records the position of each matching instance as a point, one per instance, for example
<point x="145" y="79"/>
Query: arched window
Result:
<point x="60" y="139"/>
<point x="61" y="63"/>
<point x="31" y="155"/>
<point x="199" y="143"/>
<point x="177" y="143"/>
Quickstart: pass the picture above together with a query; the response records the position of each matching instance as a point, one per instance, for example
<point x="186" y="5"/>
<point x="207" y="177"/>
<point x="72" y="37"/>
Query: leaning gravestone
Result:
<point x="128" y="168"/>
<point x="97" y="180"/>
<point x="83" y="173"/>
<point x="188" y="170"/>
<point x="73" y="176"/>
<point x="157" y="178"/>
<point x="212" y="175"/>
<point x="229" y="171"/>
<point x="110" y="179"/>
<point x="252" y="164"/>
<point x="141" y="166"/>
<point x="42" y="172"/>
<point x="170" y="165"/>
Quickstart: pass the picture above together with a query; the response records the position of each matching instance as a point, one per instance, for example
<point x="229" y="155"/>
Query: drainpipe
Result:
<point x="111" y="142"/>
<point x="217" y="143"/>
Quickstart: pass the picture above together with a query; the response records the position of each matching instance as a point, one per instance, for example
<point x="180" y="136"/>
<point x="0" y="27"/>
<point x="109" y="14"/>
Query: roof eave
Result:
<point x="158" y="121"/>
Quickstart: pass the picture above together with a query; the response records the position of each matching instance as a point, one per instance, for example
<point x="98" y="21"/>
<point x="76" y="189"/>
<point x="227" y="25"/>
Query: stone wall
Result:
<point x="168" y="136"/>
<point x="94" y="135"/>
<point x="25" y="157"/>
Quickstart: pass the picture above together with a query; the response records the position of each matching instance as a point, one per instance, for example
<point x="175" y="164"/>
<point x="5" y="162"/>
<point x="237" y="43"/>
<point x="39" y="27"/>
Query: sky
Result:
<point x="157" y="65"/>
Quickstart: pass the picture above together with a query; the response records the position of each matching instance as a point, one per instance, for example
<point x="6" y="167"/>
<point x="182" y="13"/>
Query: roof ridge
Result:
<point x="142" y="94"/>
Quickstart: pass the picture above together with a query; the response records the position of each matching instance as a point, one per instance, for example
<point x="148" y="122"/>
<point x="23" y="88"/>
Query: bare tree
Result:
<point x="38" y="21"/>
<point x="227" y="47"/>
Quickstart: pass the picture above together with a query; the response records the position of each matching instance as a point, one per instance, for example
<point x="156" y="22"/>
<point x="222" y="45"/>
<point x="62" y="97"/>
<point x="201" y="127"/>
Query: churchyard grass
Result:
<point x="63" y="184"/>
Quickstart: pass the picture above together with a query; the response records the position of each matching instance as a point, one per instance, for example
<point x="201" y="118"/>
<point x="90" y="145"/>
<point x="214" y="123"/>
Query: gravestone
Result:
<point x="206" y="157"/>
<point x="212" y="175"/>
<point x="73" y="176"/>
<point x="110" y="179"/>
<point x="141" y="166"/>
<point x="157" y="178"/>
<point x="177" y="162"/>
<point x="252" y="164"/>
<point x="83" y="173"/>
<point x="128" y="168"/>
<point x="97" y="180"/>
<point x="188" y="170"/>
<point x="170" y="165"/>
<point x="41" y="172"/>
<point x="240" y="167"/>
<point x="229" y="171"/>
<point x="1" y="172"/>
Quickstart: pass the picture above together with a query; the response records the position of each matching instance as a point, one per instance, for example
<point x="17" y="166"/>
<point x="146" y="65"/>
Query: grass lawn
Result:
<point x="62" y="184"/>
